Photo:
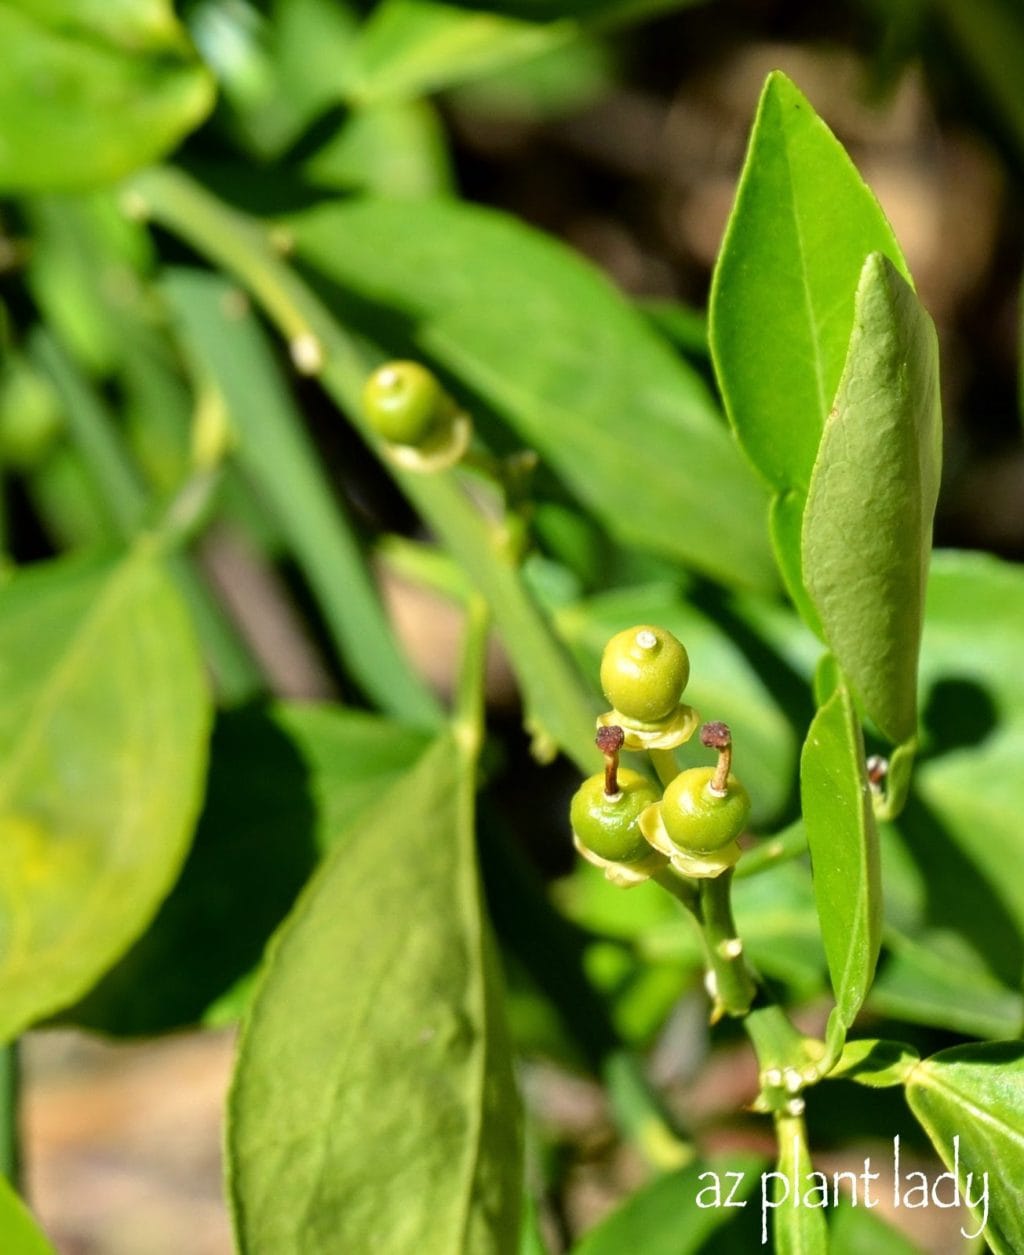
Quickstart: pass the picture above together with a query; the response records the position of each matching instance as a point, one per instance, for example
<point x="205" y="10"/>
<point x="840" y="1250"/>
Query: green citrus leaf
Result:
<point x="550" y="345"/>
<point x="970" y="1101"/>
<point x="275" y="450"/>
<point x="92" y="91"/>
<point x="936" y="978"/>
<point x="103" y="732"/>
<point x="409" y="47"/>
<point x="374" y="1107"/>
<point x="19" y="1232"/>
<point x="782" y="297"/>
<point x="877" y="1064"/>
<point x="286" y="782"/>
<point x="796" y="1230"/>
<point x="868" y="520"/>
<point x="843" y="841"/>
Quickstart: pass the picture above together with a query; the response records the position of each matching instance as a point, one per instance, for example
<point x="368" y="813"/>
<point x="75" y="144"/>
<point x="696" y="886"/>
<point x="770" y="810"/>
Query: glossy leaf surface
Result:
<point x="795" y="1230"/>
<point x="91" y="91"/>
<point x="103" y="734"/>
<point x="782" y="302"/>
<point x="971" y="1102"/>
<point x="374" y="1104"/>
<point x="868" y="521"/>
<point x="843" y="841"/>
<point x="549" y="344"/>
<point x="286" y="783"/>
<point x="782" y="296"/>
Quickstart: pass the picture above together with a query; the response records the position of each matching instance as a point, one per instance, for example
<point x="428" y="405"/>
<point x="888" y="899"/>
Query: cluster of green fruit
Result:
<point x="621" y="821"/>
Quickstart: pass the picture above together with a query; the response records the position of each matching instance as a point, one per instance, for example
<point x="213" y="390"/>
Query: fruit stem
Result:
<point x="735" y="988"/>
<point x="609" y="741"/>
<point x="717" y="736"/>
<point x="664" y="763"/>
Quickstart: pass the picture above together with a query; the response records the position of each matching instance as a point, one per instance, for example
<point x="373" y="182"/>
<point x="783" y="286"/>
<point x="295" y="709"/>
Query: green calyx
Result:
<point x="644" y="671"/>
<point x="607" y="825"/>
<point x="405" y="403"/>
<point x="697" y="817"/>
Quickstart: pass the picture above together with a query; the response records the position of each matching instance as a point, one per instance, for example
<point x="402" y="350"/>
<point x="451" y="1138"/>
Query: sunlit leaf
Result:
<point x="103" y="728"/>
<point x="374" y="1106"/>
<point x="548" y="343"/>
<point x="782" y="298"/>
<point x="843" y="841"/>
<point x="868" y="520"/>
<point x="91" y="91"/>
<point x="971" y="1102"/>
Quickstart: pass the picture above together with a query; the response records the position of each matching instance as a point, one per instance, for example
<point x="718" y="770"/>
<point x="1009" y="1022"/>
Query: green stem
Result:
<point x="735" y="987"/>
<point x="94" y="433"/>
<point x="468" y="713"/>
<point x="10" y="1087"/>
<point x="683" y="890"/>
<point x="556" y="703"/>
<point x="777" y="1042"/>
<point x="788" y="844"/>
<point x="664" y="763"/>
<point x="233" y="355"/>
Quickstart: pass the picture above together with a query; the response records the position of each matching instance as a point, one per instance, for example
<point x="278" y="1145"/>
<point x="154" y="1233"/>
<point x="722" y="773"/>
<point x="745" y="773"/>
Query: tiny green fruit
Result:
<point x="607" y="825"/>
<point x="643" y="673"/>
<point x="405" y="403"/>
<point x="31" y="418"/>
<point x="697" y="817"/>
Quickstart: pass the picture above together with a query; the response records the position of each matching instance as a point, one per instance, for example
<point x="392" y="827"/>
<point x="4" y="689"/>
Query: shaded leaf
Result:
<point x="286" y="782"/>
<point x="410" y="47"/>
<point x="962" y="826"/>
<point x="385" y="150"/>
<point x="868" y="521"/>
<point x="374" y="1106"/>
<point x="970" y="1101"/>
<point x="990" y="39"/>
<point x="102" y="752"/>
<point x="936" y="979"/>
<point x="274" y="448"/>
<point x="91" y="91"/>
<point x="664" y="1218"/>
<point x="843" y="842"/>
<point x="857" y="1231"/>
<point x="549" y="344"/>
